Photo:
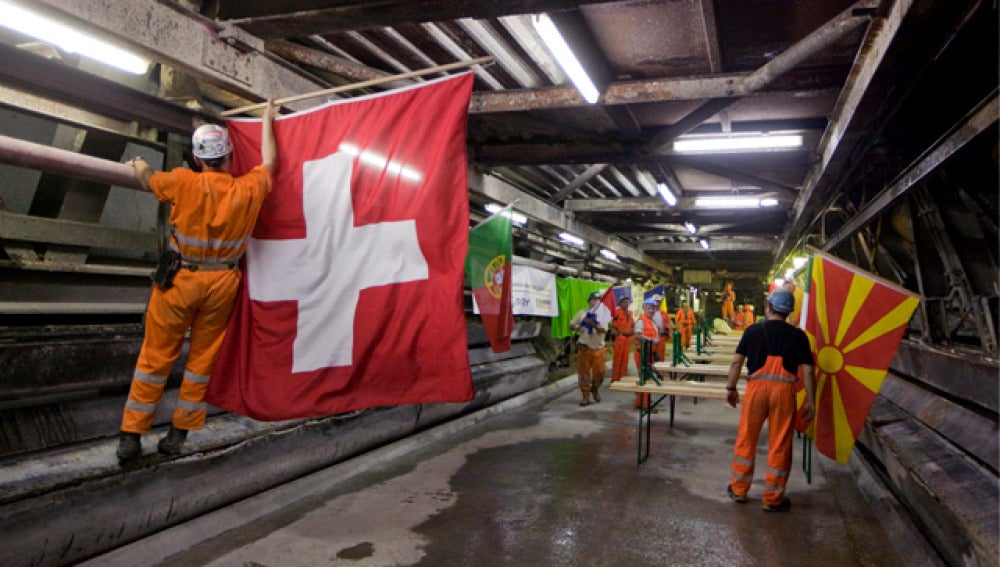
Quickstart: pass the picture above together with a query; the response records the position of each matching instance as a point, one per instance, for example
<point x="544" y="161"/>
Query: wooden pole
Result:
<point x="362" y="84"/>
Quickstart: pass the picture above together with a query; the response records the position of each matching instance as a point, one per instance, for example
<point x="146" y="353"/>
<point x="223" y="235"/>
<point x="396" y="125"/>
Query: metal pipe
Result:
<point x="64" y="162"/>
<point x="824" y="36"/>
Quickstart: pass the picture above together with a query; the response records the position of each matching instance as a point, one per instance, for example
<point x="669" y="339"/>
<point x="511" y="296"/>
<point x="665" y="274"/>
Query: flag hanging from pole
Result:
<point x="854" y="321"/>
<point x="604" y="311"/>
<point x="488" y="269"/>
<point x="352" y="289"/>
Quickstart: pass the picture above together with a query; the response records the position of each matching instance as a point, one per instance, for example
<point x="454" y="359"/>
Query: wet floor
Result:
<point x="553" y="483"/>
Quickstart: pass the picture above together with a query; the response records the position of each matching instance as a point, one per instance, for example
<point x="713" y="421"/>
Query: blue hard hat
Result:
<point x="782" y="301"/>
<point x="651" y="301"/>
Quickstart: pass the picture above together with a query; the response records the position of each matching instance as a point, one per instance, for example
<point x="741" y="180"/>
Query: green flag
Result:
<point x="488" y="269"/>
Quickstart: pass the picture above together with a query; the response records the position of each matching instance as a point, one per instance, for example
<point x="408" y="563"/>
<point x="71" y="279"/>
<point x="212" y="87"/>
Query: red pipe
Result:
<point x="64" y="162"/>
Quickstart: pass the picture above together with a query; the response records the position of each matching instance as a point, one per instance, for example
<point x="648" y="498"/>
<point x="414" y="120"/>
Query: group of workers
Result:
<point x="777" y="355"/>
<point x="738" y="317"/>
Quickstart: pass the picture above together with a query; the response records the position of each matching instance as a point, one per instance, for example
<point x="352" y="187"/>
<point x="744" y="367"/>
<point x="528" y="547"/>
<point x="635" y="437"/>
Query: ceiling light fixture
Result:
<point x="768" y="202"/>
<point x="68" y="39"/>
<point x="571" y="238"/>
<point x="609" y="254"/>
<point x="515" y="217"/>
<point x="667" y="194"/>
<point x="691" y="228"/>
<point x="704" y="243"/>
<point x="564" y="55"/>
<point x="737" y="143"/>
<point x="732" y="202"/>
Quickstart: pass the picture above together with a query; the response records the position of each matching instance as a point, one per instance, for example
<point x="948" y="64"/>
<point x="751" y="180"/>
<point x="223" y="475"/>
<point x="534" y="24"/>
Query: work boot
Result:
<point x="596" y="392"/>
<point x="586" y="398"/>
<point x="172" y="442"/>
<point x="128" y="447"/>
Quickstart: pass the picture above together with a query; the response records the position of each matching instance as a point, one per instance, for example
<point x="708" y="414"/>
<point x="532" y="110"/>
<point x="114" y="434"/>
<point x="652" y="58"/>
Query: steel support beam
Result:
<point x="169" y="34"/>
<point x="716" y="244"/>
<point x="979" y="119"/>
<point x="876" y="43"/>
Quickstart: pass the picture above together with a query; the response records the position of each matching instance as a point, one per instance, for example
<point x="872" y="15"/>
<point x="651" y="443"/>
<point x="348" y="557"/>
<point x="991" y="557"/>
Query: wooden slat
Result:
<point x="692" y="389"/>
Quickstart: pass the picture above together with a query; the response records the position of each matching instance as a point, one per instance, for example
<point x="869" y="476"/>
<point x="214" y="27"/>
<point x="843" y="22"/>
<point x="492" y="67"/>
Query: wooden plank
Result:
<point x="703" y="369"/>
<point x="683" y="388"/>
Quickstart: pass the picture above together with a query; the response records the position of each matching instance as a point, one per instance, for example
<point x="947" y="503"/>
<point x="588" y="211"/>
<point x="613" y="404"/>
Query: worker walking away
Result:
<point x="646" y="331"/>
<point x="211" y="220"/>
<point x="685" y="320"/>
<point x="774" y="352"/>
<point x="591" y="353"/>
<point x="621" y="329"/>
<point x="728" y="301"/>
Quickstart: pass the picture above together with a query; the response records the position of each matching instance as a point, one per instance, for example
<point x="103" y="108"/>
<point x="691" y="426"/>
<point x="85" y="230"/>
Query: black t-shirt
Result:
<point x="784" y="340"/>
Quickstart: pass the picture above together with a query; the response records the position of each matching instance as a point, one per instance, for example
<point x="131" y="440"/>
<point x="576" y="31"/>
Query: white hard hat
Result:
<point x="210" y="142"/>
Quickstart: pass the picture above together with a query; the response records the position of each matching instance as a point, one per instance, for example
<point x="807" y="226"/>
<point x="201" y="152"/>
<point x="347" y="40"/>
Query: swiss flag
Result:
<point x="352" y="289"/>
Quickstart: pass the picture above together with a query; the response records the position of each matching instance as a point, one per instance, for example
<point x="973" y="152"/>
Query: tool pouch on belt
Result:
<point x="170" y="263"/>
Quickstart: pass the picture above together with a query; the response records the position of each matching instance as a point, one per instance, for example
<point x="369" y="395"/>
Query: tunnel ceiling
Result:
<point x="850" y="77"/>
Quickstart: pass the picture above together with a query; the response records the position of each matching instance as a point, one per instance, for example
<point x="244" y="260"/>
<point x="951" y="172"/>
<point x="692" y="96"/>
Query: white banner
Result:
<point x="534" y="293"/>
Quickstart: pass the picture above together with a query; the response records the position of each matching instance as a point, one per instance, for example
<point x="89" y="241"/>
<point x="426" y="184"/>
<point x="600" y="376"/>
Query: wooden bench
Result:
<point x="671" y="385"/>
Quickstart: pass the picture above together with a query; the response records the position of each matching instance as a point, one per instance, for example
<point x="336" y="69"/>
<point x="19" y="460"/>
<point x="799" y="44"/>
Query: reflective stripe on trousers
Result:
<point x="199" y="301"/>
<point x="770" y="396"/>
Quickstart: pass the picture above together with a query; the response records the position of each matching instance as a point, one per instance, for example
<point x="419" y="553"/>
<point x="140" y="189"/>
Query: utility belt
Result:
<point x="208" y="267"/>
<point x="171" y="262"/>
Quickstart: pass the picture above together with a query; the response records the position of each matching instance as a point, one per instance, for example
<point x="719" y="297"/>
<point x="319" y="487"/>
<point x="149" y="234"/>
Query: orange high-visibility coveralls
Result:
<point x="728" y="299"/>
<point x="665" y="334"/>
<point x="212" y="217"/>
<point x="739" y="319"/>
<point x="622" y="325"/>
<point x="649" y="331"/>
<point x="685" y="320"/>
<point x="770" y="396"/>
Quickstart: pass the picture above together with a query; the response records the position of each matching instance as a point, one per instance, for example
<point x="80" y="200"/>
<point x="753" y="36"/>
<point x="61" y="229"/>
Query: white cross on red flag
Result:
<point x="352" y="289"/>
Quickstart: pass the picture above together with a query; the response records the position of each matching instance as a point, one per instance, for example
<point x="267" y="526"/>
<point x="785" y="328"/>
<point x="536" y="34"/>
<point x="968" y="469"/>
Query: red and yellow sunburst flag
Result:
<point x="854" y="321"/>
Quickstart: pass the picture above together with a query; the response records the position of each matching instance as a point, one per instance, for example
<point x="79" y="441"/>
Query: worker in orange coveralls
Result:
<point x="774" y="352"/>
<point x="646" y="330"/>
<point x="211" y="220"/>
<point x="739" y="320"/>
<point x="621" y="328"/>
<point x="666" y="329"/>
<point x="728" y="301"/>
<point x="685" y="320"/>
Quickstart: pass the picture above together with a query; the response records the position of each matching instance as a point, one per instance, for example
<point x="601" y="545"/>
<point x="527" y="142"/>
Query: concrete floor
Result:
<point x="542" y="482"/>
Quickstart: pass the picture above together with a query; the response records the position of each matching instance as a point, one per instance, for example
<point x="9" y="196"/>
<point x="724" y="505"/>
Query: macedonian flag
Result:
<point x="854" y="321"/>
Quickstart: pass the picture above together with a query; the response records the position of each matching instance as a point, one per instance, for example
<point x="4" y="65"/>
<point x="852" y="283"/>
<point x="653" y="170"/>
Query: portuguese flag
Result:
<point x="488" y="269"/>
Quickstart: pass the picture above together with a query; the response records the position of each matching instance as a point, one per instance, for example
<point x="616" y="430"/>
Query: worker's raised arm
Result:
<point x="268" y="145"/>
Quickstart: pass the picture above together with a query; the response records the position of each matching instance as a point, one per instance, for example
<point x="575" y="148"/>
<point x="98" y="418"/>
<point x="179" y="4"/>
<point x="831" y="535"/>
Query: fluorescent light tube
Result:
<point x="564" y="55"/>
<point x="515" y="217"/>
<point x="68" y="39"/>
<point x="609" y="254"/>
<point x="704" y="243"/>
<point x="768" y="202"/>
<point x="571" y="238"/>
<point x="727" y="202"/>
<point x="691" y="228"/>
<point x="667" y="194"/>
<point x="737" y="143"/>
